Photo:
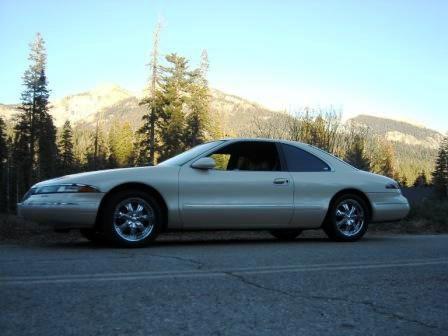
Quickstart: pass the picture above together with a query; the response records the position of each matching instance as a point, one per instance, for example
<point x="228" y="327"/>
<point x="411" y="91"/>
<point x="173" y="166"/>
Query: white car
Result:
<point x="234" y="184"/>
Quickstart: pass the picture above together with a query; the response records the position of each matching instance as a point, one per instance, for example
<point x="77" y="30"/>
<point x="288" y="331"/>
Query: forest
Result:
<point x="177" y="117"/>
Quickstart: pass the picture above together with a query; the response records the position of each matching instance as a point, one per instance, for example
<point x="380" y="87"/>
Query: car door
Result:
<point x="314" y="185"/>
<point x="247" y="189"/>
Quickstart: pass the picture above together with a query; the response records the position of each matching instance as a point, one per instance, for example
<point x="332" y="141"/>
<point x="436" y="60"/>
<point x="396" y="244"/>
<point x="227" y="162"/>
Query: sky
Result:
<point x="384" y="58"/>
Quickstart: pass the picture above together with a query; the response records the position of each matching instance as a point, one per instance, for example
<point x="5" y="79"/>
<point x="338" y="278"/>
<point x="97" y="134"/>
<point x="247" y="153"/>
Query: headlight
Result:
<point x="65" y="188"/>
<point x="393" y="185"/>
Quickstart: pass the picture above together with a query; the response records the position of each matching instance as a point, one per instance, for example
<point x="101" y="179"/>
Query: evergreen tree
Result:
<point x="121" y="141"/>
<point x="82" y="144"/>
<point x="421" y="180"/>
<point x="147" y="144"/>
<point x="96" y="157"/>
<point x="3" y="167"/>
<point x="175" y="84"/>
<point x="67" y="163"/>
<point x="10" y="186"/>
<point x="356" y="154"/>
<point x="48" y="150"/>
<point x="387" y="161"/>
<point x="34" y="133"/>
<point x="440" y="174"/>
<point x="197" y="120"/>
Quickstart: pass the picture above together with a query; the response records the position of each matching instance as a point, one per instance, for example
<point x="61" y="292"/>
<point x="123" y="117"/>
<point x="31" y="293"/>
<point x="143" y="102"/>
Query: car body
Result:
<point x="277" y="185"/>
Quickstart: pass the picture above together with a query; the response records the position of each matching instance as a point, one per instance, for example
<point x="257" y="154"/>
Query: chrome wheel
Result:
<point x="350" y="217"/>
<point x="133" y="219"/>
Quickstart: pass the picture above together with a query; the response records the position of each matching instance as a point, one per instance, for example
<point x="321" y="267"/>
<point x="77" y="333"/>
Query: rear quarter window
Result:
<point x="299" y="160"/>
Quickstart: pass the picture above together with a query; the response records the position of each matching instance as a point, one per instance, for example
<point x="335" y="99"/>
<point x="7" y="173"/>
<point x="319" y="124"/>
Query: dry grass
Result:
<point x="17" y="230"/>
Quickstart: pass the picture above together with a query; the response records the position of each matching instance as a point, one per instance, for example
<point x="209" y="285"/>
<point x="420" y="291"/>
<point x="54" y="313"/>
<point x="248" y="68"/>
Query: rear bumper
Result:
<point x="62" y="211"/>
<point x="390" y="212"/>
<point x="388" y="207"/>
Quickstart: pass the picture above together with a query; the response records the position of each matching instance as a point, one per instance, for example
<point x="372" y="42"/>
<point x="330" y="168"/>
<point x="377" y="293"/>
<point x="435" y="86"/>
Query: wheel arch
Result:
<point x="351" y="191"/>
<point x="150" y="190"/>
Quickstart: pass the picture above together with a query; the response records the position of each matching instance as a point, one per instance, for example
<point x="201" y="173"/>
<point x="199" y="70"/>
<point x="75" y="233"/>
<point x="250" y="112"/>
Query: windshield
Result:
<point x="184" y="157"/>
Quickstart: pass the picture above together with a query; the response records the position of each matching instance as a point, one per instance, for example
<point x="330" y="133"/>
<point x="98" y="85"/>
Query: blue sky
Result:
<point x="385" y="58"/>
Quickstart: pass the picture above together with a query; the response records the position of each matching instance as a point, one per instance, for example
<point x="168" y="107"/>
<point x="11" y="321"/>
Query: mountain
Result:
<point x="415" y="146"/>
<point x="83" y="107"/>
<point x="400" y="131"/>
<point x="7" y="111"/>
<point x="110" y="102"/>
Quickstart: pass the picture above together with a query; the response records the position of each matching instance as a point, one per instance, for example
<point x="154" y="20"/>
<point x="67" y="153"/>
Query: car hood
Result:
<point x="104" y="178"/>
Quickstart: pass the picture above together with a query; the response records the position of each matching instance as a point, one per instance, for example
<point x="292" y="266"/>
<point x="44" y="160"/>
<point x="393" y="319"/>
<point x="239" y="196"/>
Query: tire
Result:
<point x="286" y="234"/>
<point x="92" y="235"/>
<point x="347" y="219"/>
<point x="131" y="218"/>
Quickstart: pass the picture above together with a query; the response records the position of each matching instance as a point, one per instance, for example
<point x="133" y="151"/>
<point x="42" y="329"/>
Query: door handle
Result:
<point x="281" y="181"/>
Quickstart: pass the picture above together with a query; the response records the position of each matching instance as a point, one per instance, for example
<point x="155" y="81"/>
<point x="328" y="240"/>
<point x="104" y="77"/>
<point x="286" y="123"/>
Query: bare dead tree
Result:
<point x="150" y="98"/>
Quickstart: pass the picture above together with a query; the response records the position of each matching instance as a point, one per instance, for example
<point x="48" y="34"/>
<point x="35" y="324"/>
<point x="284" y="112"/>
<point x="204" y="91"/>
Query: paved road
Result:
<point x="383" y="285"/>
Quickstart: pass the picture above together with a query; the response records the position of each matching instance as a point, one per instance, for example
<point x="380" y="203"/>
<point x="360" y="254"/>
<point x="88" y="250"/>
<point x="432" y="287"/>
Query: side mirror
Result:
<point x="204" y="163"/>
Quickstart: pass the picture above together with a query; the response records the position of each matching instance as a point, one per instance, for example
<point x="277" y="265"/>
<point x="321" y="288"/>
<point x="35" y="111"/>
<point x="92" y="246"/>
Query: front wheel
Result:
<point x="131" y="219"/>
<point x="347" y="219"/>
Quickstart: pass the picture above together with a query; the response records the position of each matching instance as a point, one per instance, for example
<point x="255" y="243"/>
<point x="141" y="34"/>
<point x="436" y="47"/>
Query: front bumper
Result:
<point x="388" y="207"/>
<point x="62" y="211"/>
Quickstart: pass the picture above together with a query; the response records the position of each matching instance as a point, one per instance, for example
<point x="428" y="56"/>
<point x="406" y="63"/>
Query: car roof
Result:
<point x="290" y="142"/>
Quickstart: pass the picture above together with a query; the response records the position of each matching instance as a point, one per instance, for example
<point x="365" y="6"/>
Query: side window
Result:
<point x="248" y="155"/>
<point x="299" y="160"/>
<point x="222" y="160"/>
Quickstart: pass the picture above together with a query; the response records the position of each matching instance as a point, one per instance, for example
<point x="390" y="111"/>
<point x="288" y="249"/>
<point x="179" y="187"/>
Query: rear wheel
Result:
<point x="286" y="234"/>
<point x="131" y="219"/>
<point x="347" y="219"/>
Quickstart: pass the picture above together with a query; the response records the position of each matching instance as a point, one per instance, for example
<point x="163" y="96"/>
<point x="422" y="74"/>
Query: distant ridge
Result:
<point x="400" y="131"/>
<point x="415" y="147"/>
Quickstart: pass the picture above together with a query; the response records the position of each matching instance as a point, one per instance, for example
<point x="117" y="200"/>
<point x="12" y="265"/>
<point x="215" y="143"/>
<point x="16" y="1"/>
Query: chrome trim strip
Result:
<point x="239" y="206"/>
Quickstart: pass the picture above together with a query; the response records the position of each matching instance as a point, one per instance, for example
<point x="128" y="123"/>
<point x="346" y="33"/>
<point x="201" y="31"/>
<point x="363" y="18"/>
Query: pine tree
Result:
<point x="48" y="151"/>
<point x="421" y="180"/>
<point x="121" y="141"/>
<point x="96" y="157"/>
<point x="35" y="135"/>
<point x="3" y="167"/>
<point x="11" y="178"/>
<point x="175" y="84"/>
<point x="356" y="154"/>
<point x="82" y="143"/>
<point x="148" y="132"/>
<point x="387" y="161"/>
<point x="67" y="163"/>
<point x="440" y="174"/>
<point x="197" y="120"/>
